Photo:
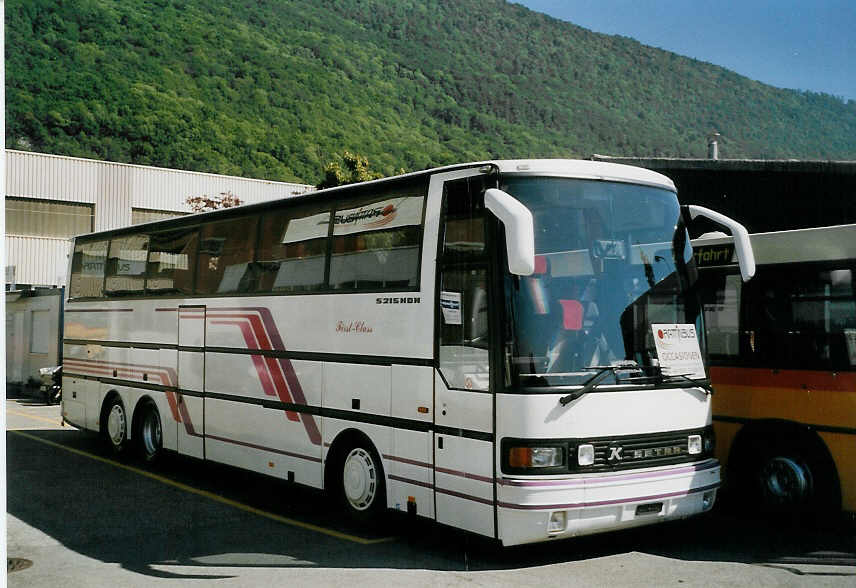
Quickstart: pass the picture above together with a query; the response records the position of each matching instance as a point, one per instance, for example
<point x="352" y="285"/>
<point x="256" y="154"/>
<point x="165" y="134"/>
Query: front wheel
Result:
<point x="361" y="486"/>
<point x="149" y="434"/>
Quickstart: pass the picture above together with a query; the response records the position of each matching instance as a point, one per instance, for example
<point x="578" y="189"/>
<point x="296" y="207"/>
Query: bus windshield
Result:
<point x="611" y="259"/>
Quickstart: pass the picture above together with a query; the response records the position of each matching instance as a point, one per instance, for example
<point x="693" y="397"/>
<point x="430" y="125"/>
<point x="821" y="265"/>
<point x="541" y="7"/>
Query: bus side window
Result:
<point x="376" y="241"/>
<point x="804" y="318"/>
<point x="87" y="269"/>
<point x="293" y="250"/>
<point x="172" y="259"/>
<point x="721" y="294"/>
<point x="463" y="236"/>
<point x="226" y="252"/>
<point x="126" y="265"/>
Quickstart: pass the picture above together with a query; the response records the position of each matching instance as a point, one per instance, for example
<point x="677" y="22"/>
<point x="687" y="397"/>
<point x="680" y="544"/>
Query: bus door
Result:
<point x="191" y="380"/>
<point x="464" y="406"/>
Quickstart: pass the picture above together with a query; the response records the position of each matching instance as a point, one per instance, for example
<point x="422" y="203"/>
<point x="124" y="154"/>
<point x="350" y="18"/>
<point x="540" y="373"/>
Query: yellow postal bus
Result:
<point x="782" y="356"/>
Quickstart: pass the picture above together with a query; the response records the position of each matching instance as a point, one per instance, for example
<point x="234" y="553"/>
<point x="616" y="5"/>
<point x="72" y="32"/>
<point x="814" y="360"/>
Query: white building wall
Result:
<point x="38" y="260"/>
<point x="29" y="348"/>
<point x="114" y="189"/>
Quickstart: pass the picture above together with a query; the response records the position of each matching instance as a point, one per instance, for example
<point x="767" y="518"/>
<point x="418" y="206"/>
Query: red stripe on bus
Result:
<point x="294" y="386"/>
<point x="776" y="378"/>
<point x="266" y="367"/>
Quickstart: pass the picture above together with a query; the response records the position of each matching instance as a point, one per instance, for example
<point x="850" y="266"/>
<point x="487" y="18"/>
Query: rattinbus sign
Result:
<point x="678" y="350"/>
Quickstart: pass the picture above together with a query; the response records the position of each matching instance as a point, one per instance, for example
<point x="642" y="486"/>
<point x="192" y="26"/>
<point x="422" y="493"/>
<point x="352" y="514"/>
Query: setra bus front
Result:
<point x="604" y="417"/>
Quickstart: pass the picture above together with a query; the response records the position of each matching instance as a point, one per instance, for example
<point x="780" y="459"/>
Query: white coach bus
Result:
<point x="506" y="347"/>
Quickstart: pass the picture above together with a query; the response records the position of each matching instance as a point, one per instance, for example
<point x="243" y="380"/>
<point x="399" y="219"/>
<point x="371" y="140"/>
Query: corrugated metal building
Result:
<point x="50" y="198"/>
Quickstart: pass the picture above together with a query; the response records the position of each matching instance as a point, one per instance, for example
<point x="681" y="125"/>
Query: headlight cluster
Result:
<point x="556" y="456"/>
<point x="536" y="457"/>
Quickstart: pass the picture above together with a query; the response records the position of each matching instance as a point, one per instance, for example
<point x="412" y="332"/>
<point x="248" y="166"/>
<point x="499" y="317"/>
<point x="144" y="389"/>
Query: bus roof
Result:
<point x="800" y="245"/>
<point x="569" y="168"/>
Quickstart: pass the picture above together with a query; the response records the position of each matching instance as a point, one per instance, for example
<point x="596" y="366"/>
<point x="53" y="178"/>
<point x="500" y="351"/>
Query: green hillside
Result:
<point x="274" y="88"/>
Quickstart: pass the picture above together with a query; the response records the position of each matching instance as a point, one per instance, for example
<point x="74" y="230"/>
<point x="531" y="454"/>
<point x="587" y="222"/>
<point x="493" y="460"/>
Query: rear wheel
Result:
<point x="149" y="434"/>
<point x="114" y="426"/>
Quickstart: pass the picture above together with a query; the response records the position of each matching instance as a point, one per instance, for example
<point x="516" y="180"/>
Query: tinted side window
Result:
<point x="87" y="269"/>
<point x="463" y="203"/>
<point x="376" y="241"/>
<point x="172" y="259"/>
<point x="720" y="298"/>
<point x="293" y="250"/>
<point x="803" y="317"/>
<point x="226" y="251"/>
<point x="126" y="265"/>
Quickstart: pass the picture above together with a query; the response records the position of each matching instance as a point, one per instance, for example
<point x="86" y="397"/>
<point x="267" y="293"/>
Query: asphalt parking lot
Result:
<point x="78" y="516"/>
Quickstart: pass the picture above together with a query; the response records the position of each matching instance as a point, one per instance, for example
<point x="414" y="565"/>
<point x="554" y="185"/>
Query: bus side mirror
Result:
<point x="742" y="245"/>
<point x="519" y="230"/>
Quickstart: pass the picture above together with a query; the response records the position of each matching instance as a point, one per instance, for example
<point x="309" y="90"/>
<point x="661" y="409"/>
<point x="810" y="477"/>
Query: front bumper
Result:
<point x="595" y="503"/>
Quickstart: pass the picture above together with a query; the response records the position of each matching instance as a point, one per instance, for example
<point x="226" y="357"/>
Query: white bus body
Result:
<point x="401" y="361"/>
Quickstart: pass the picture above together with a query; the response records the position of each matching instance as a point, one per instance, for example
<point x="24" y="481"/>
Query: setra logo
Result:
<point x="615" y="454"/>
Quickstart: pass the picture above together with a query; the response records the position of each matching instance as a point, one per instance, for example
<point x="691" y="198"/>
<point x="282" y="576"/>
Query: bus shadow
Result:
<point x="237" y="519"/>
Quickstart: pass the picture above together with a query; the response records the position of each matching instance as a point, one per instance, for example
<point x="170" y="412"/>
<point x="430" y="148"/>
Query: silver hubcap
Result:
<point x="152" y="433"/>
<point x="116" y="424"/>
<point x="785" y="480"/>
<point x="359" y="477"/>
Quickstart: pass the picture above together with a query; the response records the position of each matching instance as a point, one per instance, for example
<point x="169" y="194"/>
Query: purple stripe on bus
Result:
<point x="584" y="481"/>
<point x="428" y="485"/>
<point x="464" y="496"/>
<point x="605" y="502"/>
<point x="420" y="464"/>
<point x="99" y="310"/>
<point x="464" y="475"/>
<point x="263" y="448"/>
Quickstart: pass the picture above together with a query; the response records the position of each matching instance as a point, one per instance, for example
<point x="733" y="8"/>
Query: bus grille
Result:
<point x="642" y="451"/>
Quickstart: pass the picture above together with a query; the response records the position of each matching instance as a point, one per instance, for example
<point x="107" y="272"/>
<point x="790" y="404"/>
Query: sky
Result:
<point x="803" y="45"/>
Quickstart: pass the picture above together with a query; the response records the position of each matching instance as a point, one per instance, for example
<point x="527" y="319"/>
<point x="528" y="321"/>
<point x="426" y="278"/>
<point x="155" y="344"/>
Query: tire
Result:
<point x="791" y="480"/>
<point x="148" y="433"/>
<point x="360" y="482"/>
<point x="114" y="428"/>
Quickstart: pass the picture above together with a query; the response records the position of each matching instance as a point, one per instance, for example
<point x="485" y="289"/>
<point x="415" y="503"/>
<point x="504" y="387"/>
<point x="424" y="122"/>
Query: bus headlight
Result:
<point x="694" y="444"/>
<point x="535" y="457"/>
<point x="585" y="454"/>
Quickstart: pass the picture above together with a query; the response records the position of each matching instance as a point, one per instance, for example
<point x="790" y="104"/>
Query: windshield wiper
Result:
<point x="603" y="370"/>
<point x="588" y="385"/>
<point x="592" y="382"/>
<point x="659" y="378"/>
<point x="685" y="377"/>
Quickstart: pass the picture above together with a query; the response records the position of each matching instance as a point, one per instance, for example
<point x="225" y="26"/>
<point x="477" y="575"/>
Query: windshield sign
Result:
<point x="678" y="350"/>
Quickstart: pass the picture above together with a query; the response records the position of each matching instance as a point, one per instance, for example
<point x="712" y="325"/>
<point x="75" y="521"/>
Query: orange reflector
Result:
<point x="520" y="457"/>
<point x="423" y="409"/>
<point x="270" y="464"/>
